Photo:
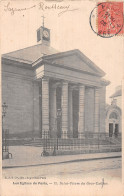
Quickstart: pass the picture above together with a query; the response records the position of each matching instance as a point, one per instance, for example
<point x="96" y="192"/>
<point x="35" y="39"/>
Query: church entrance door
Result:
<point x="110" y="129"/>
<point x="116" y="130"/>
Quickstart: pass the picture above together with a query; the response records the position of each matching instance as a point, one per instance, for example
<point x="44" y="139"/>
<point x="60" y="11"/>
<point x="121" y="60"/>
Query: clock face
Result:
<point x="45" y="33"/>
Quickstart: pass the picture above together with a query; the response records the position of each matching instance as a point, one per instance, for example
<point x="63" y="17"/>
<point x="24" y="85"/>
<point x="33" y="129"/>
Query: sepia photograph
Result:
<point x="62" y="72"/>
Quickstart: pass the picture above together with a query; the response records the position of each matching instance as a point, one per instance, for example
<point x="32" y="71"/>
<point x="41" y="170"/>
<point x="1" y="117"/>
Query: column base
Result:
<point x="70" y="134"/>
<point x="6" y="155"/>
<point x="64" y="135"/>
<point x="96" y="129"/>
<point x="45" y="134"/>
<point x="81" y="135"/>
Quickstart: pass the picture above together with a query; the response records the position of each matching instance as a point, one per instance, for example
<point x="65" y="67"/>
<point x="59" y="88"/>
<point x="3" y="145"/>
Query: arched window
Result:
<point x="113" y="115"/>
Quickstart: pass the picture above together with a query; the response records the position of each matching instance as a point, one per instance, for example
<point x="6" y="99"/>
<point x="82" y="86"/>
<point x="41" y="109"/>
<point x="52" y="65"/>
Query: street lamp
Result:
<point x="58" y="116"/>
<point x="4" y="108"/>
<point x="54" y="141"/>
<point x="59" y="112"/>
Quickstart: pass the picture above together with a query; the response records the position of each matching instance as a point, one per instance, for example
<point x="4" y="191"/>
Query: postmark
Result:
<point x="106" y="19"/>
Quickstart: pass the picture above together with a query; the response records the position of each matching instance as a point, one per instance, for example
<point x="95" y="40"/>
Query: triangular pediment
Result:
<point x="74" y="60"/>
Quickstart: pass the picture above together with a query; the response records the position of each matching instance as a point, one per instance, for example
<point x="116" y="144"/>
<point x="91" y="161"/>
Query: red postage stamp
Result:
<point x="110" y="18"/>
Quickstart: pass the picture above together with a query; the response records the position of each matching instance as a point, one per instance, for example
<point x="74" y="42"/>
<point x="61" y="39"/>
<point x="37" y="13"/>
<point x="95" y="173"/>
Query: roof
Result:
<point x="30" y="54"/>
<point x="116" y="94"/>
<point x="36" y="54"/>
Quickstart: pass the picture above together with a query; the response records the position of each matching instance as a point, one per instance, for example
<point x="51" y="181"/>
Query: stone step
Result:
<point x="64" y="142"/>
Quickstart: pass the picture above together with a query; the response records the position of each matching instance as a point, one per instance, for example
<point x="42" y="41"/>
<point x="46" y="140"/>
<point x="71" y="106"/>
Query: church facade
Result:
<point x="61" y="94"/>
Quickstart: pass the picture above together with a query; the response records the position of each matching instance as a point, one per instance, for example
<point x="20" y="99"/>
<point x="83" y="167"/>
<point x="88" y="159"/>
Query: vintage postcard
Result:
<point x="62" y="76"/>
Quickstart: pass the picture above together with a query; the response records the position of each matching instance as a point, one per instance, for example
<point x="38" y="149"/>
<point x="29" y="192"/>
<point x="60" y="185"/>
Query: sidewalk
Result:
<point x="25" y="156"/>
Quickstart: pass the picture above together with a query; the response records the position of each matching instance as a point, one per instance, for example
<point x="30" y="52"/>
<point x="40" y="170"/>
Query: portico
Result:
<point x="71" y="106"/>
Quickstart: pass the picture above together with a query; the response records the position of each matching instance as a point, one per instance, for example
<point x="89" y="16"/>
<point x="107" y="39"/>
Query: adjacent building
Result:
<point x="114" y="113"/>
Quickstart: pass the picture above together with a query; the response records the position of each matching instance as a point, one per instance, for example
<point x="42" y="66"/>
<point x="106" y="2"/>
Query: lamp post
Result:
<point x="59" y="114"/>
<point x="4" y="108"/>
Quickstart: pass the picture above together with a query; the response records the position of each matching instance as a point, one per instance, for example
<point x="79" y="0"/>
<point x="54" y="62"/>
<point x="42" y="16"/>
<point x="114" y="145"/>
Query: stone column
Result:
<point x="64" y="109"/>
<point x="102" y="109"/>
<point x="81" y="110"/>
<point x="45" y="106"/>
<point x="70" y="112"/>
<point x="53" y="123"/>
<point x="97" y="111"/>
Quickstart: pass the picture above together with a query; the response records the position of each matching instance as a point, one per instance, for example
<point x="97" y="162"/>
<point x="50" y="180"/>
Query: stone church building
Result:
<point x="59" y="93"/>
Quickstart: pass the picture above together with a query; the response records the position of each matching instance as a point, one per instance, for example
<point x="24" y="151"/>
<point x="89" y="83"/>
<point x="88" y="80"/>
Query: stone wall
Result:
<point x="102" y="109"/>
<point x="89" y="109"/>
<point x="21" y="95"/>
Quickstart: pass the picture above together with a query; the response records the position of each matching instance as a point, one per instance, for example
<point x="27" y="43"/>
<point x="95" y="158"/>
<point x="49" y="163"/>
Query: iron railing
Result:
<point x="5" y="137"/>
<point x="84" y="141"/>
<point x="5" y="143"/>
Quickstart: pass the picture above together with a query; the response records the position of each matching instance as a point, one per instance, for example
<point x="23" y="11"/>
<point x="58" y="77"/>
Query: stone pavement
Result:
<point x="25" y="156"/>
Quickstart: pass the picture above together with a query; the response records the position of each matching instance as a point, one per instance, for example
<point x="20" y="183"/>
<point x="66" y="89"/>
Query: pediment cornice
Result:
<point x="74" y="59"/>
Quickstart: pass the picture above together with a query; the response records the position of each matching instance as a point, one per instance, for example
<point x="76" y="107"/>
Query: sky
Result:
<point x="69" y="30"/>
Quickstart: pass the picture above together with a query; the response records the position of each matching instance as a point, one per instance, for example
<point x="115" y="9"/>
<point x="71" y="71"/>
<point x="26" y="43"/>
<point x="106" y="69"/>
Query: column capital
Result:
<point x="64" y="82"/>
<point x="45" y="78"/>
<point x="56" y="84"/>
<point x="73" y="87"/>
<point x="81" y="86"/>
<point x="97" y="88"/>
<point x="97" y="92"/>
